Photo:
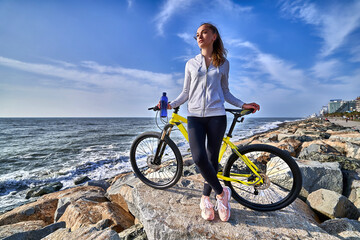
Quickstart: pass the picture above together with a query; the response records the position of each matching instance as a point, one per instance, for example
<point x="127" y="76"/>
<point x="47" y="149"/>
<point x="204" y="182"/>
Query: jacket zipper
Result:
<point x="205" y="91"/>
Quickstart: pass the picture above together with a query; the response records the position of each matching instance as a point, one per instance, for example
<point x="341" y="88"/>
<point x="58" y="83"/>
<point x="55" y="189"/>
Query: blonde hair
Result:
<point x="219" y="52"/>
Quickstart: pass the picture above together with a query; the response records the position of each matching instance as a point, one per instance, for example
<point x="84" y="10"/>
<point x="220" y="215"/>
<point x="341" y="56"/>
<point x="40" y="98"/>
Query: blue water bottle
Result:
<point x="163" y="105"/>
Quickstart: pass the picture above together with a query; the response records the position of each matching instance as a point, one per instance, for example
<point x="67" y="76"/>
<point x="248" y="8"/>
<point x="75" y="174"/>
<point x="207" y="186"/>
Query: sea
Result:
<point x="35" y="152"/>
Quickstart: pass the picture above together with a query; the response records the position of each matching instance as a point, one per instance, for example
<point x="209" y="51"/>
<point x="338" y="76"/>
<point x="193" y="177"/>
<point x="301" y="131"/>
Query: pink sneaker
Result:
<point x="207" y="208"/>
<point x="223" y="204"/>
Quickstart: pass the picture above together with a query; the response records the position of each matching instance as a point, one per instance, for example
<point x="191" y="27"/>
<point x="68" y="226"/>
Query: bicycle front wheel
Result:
<point x="281" y="178"/>
<point x="158" y="172"/>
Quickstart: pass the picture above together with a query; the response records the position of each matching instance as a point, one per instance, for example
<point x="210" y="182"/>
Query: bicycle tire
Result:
<point x="160" y="176"/>
<point x="283" y="179"/>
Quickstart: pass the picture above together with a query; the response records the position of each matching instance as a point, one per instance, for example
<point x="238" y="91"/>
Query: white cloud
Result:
<point x="326" y="69"/>
<point x="100" y="75"/>
<point x="231" y="6"/>
<point x="188" y="38"/>
<point x="169" y="8"/>
<point x="277" y="70"/>
<point x="334" y="22"/>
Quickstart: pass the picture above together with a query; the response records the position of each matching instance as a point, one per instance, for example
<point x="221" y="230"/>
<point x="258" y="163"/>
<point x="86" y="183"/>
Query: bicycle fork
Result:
<point x="162" y="144"/>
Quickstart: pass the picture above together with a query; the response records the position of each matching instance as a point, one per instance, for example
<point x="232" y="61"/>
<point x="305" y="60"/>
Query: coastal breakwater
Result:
<point x="124" y="208"/>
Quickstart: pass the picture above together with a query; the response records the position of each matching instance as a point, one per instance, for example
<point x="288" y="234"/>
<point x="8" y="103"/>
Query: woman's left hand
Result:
<point x="254" y="106"/>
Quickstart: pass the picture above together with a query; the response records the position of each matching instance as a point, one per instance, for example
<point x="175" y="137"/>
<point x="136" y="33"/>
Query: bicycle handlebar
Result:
<point x="156" y="108"/>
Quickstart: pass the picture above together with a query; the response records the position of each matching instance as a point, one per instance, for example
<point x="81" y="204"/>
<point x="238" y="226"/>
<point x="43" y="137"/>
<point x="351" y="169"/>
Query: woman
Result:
<point x="206" y="88"/>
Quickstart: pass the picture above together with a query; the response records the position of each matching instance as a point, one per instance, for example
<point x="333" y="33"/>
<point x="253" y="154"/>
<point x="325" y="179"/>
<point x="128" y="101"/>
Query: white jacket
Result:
<point x="206" y="89"/>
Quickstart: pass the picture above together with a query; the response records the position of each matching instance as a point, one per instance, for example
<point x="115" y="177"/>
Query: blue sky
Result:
<point x="96" y="58"/>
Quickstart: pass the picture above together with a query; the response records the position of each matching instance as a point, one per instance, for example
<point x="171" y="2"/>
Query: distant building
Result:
<point x="334" y="105"/>
<point x="347" y="106"/>
<point x="358" y="104"/>
<point x="324" y="110"/>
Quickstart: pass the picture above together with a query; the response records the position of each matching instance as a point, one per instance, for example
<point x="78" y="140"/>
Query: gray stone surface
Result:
<point x="99" y="183"/>
<point x="11" y="229"/>
<point x="352" y="150"/>
<point x="135" y="232"/>
<point x="174" y="214"/>
<point x="36" y="234"/>
<point x="84" y="233"/>
<point x="317" y="175"/>
<point x="344" y="228"/>
<point x="40" y="191"/>
<point x="332" y="204"/>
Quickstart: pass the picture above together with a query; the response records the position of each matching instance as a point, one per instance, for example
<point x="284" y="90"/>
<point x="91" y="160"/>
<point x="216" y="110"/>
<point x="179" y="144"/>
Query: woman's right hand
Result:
<point x="254" y="106"/>
<point x="168" y="106"/>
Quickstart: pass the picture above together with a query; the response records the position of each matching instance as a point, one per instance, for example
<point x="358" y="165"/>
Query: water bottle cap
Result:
<point x="164" y="93"/>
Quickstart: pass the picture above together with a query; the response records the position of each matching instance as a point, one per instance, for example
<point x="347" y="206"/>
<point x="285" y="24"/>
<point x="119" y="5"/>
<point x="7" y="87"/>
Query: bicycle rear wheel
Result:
<point x="159" y="173"/>
<point x="281" y="176"/>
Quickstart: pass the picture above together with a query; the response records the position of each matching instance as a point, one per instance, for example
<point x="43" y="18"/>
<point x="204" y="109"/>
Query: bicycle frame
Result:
<point x="177" y="120"/>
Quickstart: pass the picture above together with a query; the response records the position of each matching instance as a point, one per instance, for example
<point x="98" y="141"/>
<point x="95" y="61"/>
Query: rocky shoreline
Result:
<point x="124" y="208"/>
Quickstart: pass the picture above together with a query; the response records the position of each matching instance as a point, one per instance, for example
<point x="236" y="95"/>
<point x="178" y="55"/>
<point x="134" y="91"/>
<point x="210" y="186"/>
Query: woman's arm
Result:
<point x="231" y="98"/>
<point x="225" y="87"/>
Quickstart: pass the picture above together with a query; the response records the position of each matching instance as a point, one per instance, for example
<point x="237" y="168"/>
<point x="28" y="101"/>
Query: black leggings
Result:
<point x="206" y="157"/>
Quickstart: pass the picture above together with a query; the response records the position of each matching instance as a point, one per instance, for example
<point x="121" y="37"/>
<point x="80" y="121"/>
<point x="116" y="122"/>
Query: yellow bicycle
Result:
<point x="261" y="177"/>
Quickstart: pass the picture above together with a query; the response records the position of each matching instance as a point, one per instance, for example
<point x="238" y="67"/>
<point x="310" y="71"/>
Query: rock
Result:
<point x="119" y="188"/>
<point x="318" y="175"/>
<point x="84" y="213"/>
<point x="92" y="193"/>
<point x="345" y="136"/>
<point x="36" y="234"/>
<point x="81" y="180"/>
<point x="318" y="146"/>
<point x="301" y="138"/>
<point x="174" y="214"/>
<point x="338" y="145"/>
<point x="332" y="204"/>
<point x="11" y="229"/>
<point x="84" y="233"/>
<point x="99" y="183"/>
<point x="50" y="188"/>
<point x="349" y="177"/>
<point x="342" y="227"/>
<point x="116" y="192"/>
<point x="352" y="150"/>
<point x="134" y="232"/>
<point x="354" y="196"/>
<point x="43" y="209"/>
<point x="63" y="203"/>
<point x="315" y="176"/>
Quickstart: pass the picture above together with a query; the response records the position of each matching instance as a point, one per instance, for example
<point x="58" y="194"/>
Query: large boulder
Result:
<point x="92" y="232"/>
<point x="174" y="214"/>
<point x="37" y="233"/>
<point x="40" y="191"/>
<point x="332" y="204"/>
<point x="352" y="150"/>
<point x="42" y="209"/>
<point x="120" y="187"/>
<point x="11" y="229"/>
<point x="316" y="147"/>
<point x="92" y="193"/>
<point x="345" y="136"/>
<point x="66" y="197"/>
<point x="354" y="196"/>
<point x="85" y="213"/>
<point x="317" y="175"/>
<point x="343" y="228"/>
